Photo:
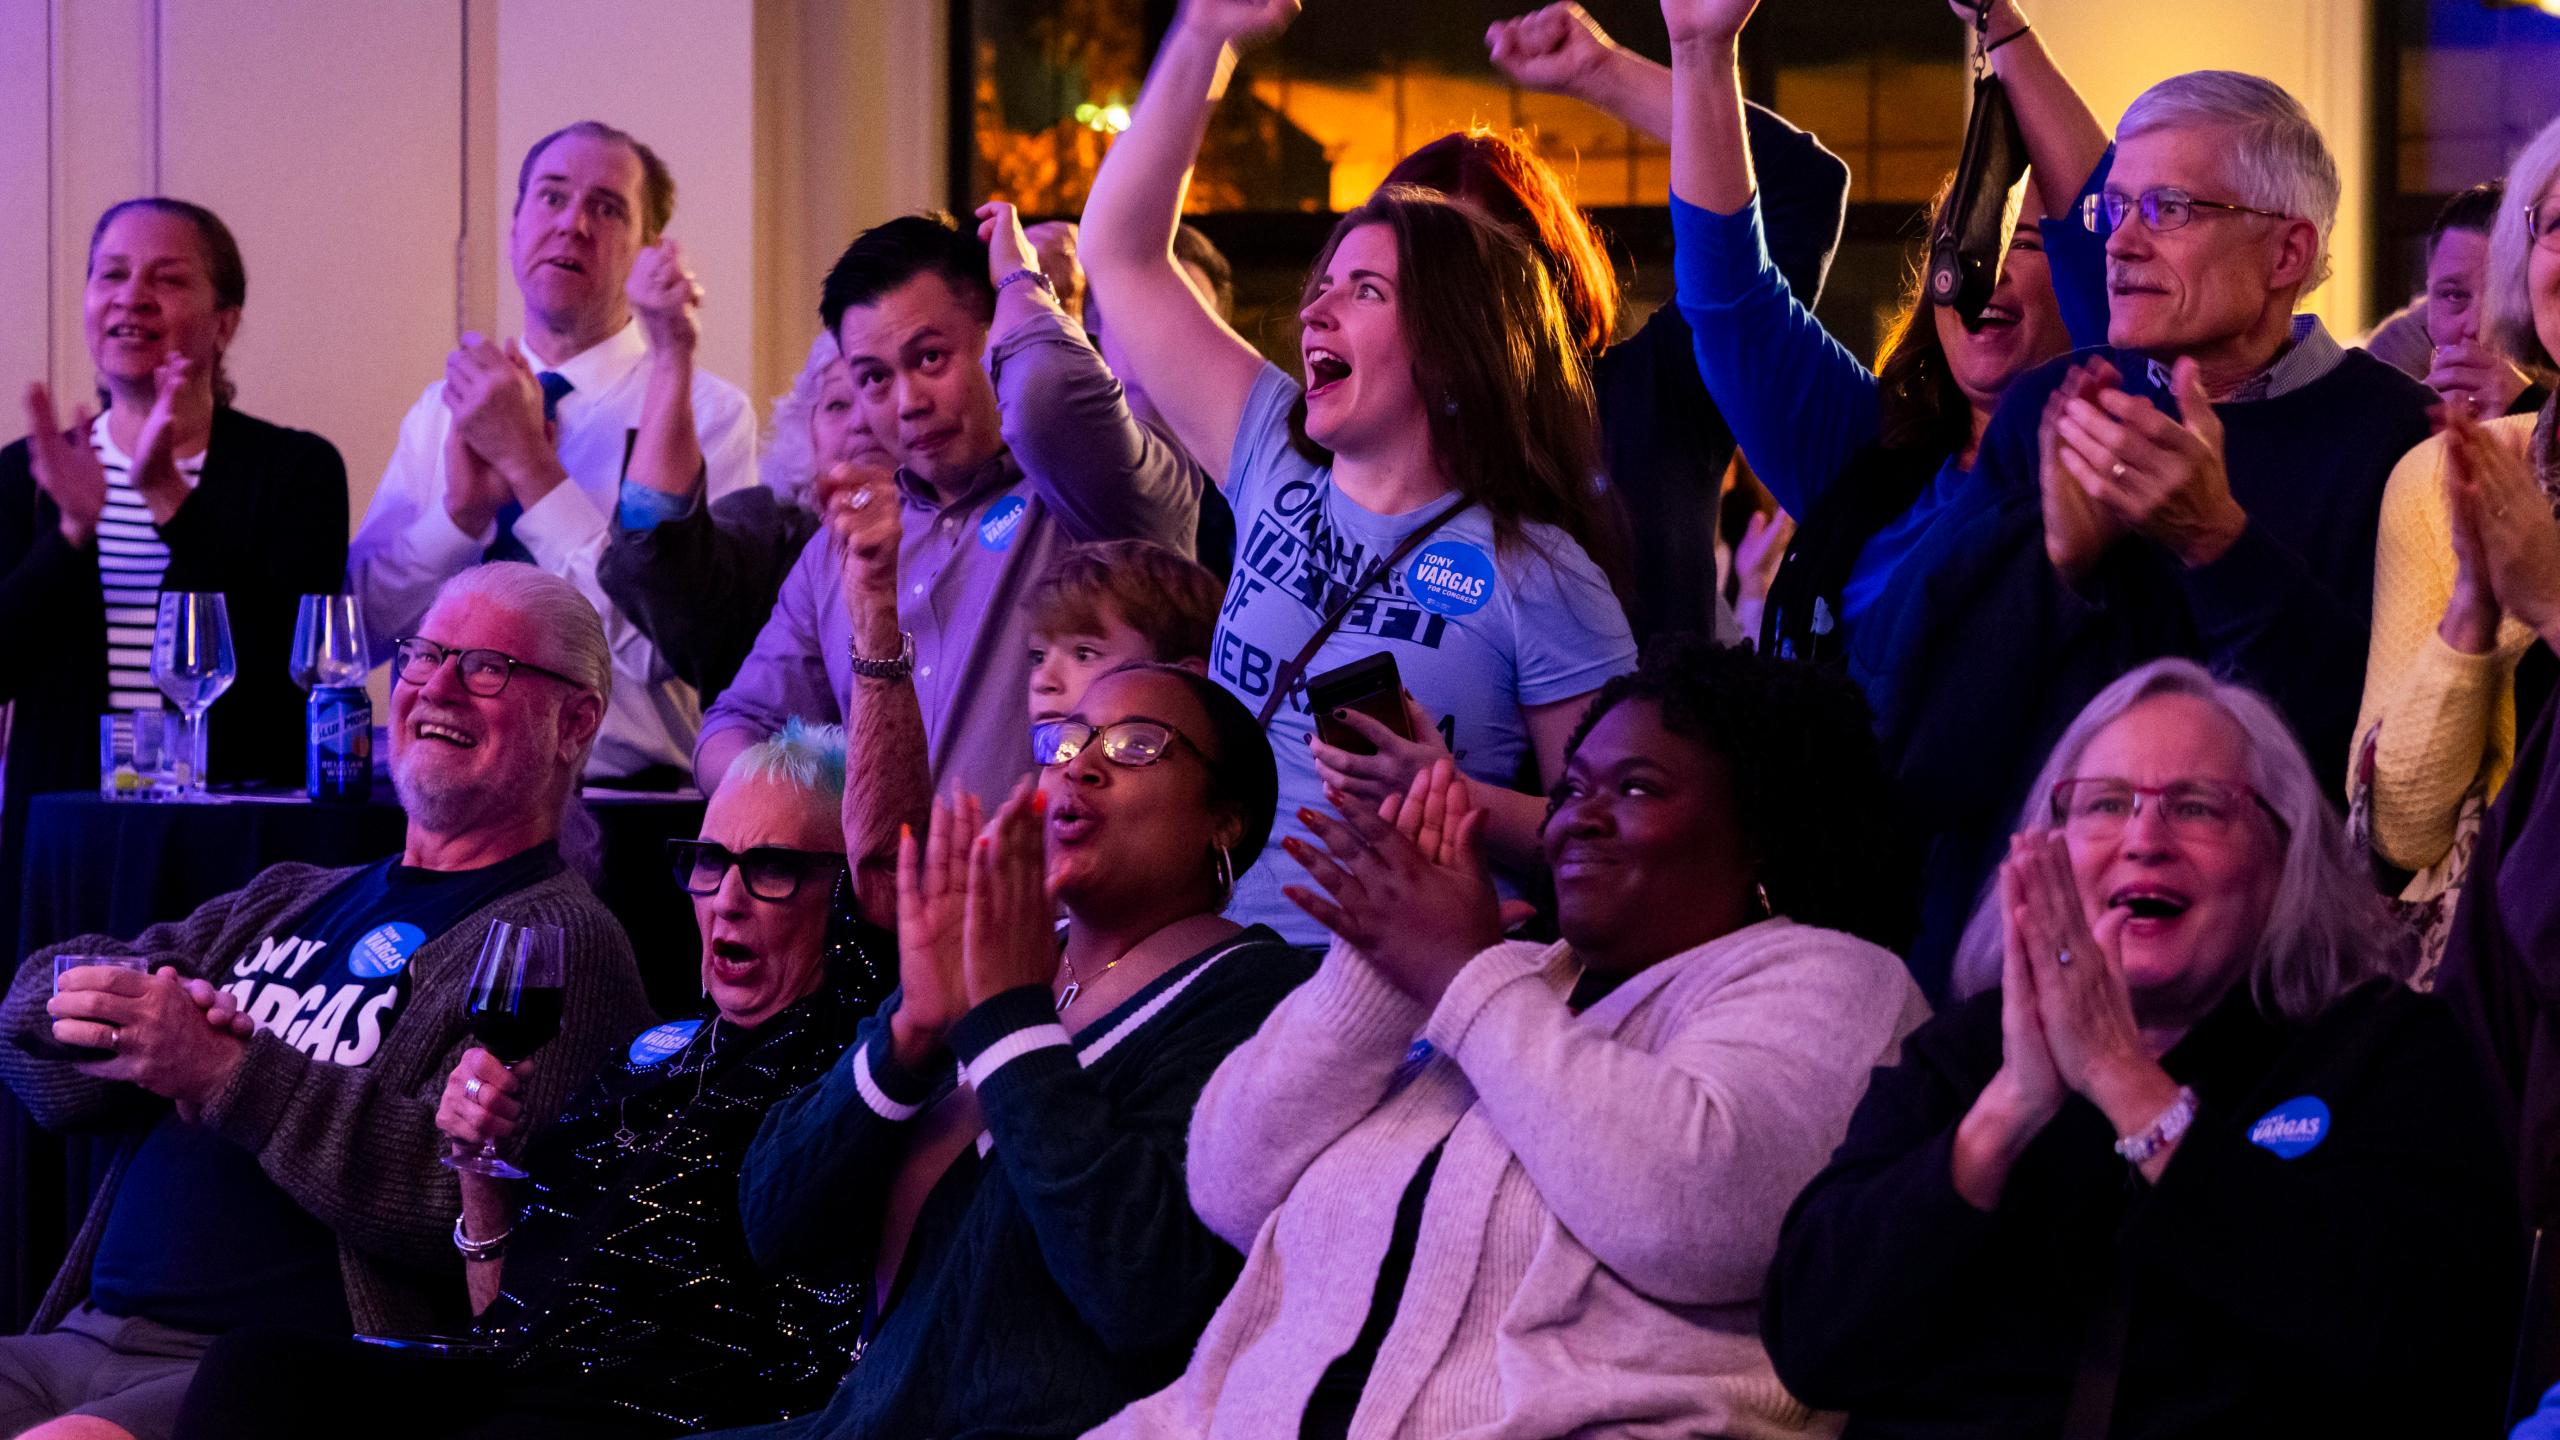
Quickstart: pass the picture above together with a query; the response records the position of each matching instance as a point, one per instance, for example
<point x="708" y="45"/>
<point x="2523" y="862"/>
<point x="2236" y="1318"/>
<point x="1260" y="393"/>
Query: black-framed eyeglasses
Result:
<point x="2099" y="807"/>
<point x="774" y="873"/>
<point x="2542" y="223"/>
<point x="1130" y="744"/>
<point x="415" y="661"/>
<point x="2163" y="208"/>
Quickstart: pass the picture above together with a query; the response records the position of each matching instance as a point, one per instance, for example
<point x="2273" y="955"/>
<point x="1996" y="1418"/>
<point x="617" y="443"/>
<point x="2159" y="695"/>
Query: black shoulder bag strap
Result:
<point x="1966" y="239"/>
<point x="1286" y="678"/>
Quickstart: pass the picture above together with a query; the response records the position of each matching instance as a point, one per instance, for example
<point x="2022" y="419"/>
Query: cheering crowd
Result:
<point x="1238" y="904"/>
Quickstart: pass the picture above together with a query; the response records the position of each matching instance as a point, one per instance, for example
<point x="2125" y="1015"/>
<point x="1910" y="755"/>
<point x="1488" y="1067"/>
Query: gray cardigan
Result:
<point x="357" y="1147"/>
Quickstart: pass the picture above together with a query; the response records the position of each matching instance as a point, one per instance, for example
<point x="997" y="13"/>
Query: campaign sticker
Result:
<point x="661" y="1043"/>
<point x="2293" y="1129"/>
<point x="1451" y="577"/>
<point x="1002" y="522"/>
<point x="385" y="950"/>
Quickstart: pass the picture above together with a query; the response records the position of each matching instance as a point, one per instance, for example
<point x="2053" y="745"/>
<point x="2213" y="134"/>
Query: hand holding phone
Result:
<point x="1370" y="685"/>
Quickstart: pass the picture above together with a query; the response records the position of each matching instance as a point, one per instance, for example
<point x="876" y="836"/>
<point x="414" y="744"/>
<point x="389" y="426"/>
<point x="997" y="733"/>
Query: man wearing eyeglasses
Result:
<point x="288" y="1044"/>
<point x="2206" y="484"/>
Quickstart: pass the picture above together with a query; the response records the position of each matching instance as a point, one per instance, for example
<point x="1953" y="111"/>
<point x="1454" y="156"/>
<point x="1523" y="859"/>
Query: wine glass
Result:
<point x="512" y="1007"/>
<point x="328" y="642"/>
<point x="192" y="663"/>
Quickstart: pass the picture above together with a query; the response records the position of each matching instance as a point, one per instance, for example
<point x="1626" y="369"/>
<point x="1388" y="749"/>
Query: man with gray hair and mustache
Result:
<point x="286" y="1049"/>
<point x="2206" y="484"/>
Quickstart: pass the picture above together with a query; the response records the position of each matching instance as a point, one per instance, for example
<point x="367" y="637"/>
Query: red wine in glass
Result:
<point x="513" y="1007"/>
<point x="514" y="1031"/>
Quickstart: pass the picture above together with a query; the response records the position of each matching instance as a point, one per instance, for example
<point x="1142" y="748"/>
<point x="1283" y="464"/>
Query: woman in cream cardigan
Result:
<point x="2463" y="588"/>
<point x="1494" y="1189"/>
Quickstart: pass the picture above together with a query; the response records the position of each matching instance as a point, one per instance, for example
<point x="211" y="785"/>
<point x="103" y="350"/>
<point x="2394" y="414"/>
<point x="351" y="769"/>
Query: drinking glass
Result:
<point x="512" y="1007"/>
<point x="192" y="663"/>
<point x="328" y="642"/>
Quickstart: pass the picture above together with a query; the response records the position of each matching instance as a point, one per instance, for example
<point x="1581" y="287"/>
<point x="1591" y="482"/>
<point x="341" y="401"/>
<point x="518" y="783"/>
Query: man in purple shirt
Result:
<point x="1005" y="464"/>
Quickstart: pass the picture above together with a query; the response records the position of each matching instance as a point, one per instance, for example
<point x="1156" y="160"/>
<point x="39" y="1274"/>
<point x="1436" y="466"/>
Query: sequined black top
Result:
<point x="628" y="1279"/>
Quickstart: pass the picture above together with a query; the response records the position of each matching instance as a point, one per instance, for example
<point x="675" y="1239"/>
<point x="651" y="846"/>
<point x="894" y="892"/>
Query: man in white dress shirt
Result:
<point x="518" y="452"/>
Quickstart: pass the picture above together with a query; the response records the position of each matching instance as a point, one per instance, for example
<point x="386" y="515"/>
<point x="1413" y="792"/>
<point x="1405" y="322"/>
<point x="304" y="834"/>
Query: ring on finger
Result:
<point x="115" y="1037"/>
<point x="861" y="498"/>
<point x="2062" y="957"/>
<point x="2117" y="473"/>
<point x="472" y="1087"/>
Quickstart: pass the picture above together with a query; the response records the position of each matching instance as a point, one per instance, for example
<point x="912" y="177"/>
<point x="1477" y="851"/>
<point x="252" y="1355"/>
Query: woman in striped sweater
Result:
<point x="1502" y="1189"/>
<point x="169" y="489"/>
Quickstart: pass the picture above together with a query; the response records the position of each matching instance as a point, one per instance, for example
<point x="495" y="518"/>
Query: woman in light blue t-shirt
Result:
<point x="1448" y="397"/>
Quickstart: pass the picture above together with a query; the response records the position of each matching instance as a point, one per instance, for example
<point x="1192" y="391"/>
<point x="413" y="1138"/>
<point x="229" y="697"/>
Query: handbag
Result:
<point x="1969" y="236"/>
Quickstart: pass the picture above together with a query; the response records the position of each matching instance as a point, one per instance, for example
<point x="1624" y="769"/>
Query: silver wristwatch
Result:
<point x="894" y="669"/>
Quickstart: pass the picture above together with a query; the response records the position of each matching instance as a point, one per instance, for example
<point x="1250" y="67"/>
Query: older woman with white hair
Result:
<point x="2195" y="1162"/>
<point x="700" y="579"/>
<point x="615" y="1293"/>
<point x="2466" y="587"/>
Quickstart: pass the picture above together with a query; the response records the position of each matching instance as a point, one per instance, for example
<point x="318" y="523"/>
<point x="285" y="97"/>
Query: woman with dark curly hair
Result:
<point x="1522" y="1190"/>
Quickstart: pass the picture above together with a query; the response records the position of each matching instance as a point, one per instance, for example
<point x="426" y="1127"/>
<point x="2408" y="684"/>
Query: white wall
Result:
<point x="365" y="154"/>
<point x="2317" y="49"/>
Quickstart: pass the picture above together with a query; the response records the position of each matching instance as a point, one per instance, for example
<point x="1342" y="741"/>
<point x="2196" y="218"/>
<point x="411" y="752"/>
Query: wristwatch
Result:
<point x="894" y="669"/>
<point x="2162" y="1133"/>
<point x="489" y="1249"/>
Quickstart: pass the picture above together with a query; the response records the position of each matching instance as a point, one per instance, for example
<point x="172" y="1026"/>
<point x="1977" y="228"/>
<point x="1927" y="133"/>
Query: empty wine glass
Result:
<point x="192" y="663"/>
<point x="328" y="642"/>
<point x="513" y="1007"/>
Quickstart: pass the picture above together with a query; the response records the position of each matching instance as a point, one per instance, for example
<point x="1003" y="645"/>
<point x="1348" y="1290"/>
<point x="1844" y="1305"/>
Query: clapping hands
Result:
<point x="1408" y="888"/>
<point x="66" y="469"/>
<point x="666" y="297"/>
<point x="2504" y="535"/>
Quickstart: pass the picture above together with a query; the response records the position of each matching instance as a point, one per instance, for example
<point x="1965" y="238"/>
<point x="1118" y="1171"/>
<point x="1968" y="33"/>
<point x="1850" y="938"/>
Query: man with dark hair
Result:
<point x="518" y="452"/>
<point x="2465" y="365"/>
<point x="1014" y="442"/>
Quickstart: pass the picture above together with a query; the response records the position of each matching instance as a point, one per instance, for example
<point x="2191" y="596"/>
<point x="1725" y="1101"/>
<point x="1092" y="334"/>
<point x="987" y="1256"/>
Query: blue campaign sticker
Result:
<point x="385" y="950"/>
<point x="1002" y="522"/>
<point x="2293" y="1129"/>
<point x="659" y="1044"/>
<point x="1451" y="577"/>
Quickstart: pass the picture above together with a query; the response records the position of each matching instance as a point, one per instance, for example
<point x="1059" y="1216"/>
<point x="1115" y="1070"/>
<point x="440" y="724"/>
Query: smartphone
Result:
<point x="1369" y="685"/>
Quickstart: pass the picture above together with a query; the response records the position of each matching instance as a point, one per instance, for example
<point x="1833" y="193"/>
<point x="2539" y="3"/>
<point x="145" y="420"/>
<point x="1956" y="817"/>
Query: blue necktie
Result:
<point x="555" y="386"/>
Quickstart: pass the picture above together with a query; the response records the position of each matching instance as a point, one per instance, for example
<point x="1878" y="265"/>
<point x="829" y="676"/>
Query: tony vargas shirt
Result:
<point x="200" y="1237"/>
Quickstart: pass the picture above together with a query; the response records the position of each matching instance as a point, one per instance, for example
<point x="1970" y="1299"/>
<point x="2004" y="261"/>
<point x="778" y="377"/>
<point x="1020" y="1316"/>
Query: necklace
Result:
<point x="1074" y="988"/>
<point x="624" y="1137"/>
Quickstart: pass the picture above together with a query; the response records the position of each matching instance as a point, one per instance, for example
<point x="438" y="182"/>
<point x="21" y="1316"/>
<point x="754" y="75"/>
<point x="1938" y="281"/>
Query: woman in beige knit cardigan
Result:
<point x="2465" y="588"/>
<point x="1492" y="1189"/>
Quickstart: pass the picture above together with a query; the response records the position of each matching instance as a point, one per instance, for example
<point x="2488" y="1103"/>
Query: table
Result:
<point x="114" y="867"/>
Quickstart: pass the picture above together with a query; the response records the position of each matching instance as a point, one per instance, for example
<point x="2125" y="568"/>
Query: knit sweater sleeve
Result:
<point x="1321" y="1063"/>
<point x="57" y="1093"/>
<point x="811" y="1189"/>
<point x="1880" y="1244"/>
<point x="1674" y="1165"/>
<point x="357" y="1148"/>
<point x="2444" y="718"/>
<point x="1100" y="1173"/>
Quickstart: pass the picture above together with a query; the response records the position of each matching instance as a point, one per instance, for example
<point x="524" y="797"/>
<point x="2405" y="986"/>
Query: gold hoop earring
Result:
<point x="1222" y="868"/>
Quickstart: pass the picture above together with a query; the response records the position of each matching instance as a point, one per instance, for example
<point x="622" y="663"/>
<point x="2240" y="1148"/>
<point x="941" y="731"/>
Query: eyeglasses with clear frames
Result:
<point x="485" y="673"/>
<point x="2542" y="222"/>
<point x="1129" y="744"/>
<point x="2099" y="808"/>
<point x="2163" y="208"/>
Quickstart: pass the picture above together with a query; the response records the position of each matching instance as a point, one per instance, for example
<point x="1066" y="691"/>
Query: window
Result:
<point x="1314" y="121"/>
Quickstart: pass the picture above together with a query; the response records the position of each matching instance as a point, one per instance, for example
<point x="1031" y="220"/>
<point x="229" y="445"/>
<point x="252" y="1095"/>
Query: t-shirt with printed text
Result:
<point x="1479" y="631"/>
<point x="200" y="1237"/>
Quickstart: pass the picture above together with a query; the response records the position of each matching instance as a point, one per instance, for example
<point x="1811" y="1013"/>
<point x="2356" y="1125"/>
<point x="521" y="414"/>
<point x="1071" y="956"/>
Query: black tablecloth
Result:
<point x="114" y="867"/>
